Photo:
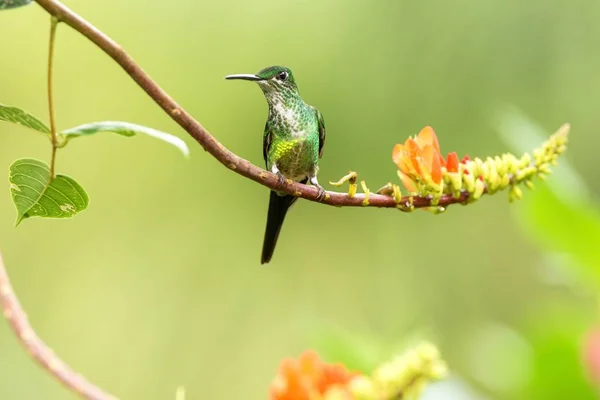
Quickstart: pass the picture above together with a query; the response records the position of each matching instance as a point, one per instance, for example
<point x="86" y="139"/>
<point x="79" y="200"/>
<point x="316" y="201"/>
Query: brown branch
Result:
<point x="206" y="140"/>
<point x="39" y="351"/>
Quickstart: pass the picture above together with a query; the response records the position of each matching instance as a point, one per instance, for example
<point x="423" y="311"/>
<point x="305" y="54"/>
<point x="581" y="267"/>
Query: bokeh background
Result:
<point x="158" y="284"/>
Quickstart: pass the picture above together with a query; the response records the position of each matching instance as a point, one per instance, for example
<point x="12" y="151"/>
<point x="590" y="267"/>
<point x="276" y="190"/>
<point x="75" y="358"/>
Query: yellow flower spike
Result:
<point x="480" y="167"/>
<point x="439" y="370"/>
<point x="362" y="388"/>
<point x="455" y="181"/>
<point x="428" y="352"/>
<point x="525" y="160"/>
<point x="538" y="155"/>
<point x="493" y="179"/>
<point x="479" y="188"/>
<point x="505" y="181"/>
<point x="511" y="196"/>
<point x="512" y="164"/>
<point x="529" y="184"/>
<point x="544" y="168"/>
<point x="469" y="180"/>
<point x="518" y="193"/>
<point x="501" y="166"/>
<point x="407" y="375"/>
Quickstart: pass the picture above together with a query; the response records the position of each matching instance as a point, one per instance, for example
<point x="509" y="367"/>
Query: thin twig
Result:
<point x="39" y="351"/>
<point x="53" y="135"/>
<point x="209" y="142"/>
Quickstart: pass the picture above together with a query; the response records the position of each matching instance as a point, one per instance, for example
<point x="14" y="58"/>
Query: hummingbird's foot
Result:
<point x="281" y="180"/>
<point x="322" y="192"/>
<point x="351" y="178"/>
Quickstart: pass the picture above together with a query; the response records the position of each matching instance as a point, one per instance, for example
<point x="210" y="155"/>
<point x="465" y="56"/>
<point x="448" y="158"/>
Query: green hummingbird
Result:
<point x="292" y="143"/>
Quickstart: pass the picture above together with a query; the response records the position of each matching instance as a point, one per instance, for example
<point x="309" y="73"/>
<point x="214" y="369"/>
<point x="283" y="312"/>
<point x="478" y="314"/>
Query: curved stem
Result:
<point x="209" y="142"/>
<point x="16" y="317"/>
<point x="54" y="137"/>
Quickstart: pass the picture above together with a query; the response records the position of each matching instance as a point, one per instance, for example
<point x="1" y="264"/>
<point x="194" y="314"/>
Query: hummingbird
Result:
<point x="292" y="144"/>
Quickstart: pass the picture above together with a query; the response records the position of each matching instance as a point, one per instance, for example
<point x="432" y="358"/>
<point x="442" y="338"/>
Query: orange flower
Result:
<point x="452" y="162"/>
<point x="419" y="159"/>
<point x="308" y="378"/>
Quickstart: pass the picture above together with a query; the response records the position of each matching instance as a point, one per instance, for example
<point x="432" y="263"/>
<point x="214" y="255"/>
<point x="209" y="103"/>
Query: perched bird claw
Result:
<point x="281" y="180"/>
<point x="322" y="193"/>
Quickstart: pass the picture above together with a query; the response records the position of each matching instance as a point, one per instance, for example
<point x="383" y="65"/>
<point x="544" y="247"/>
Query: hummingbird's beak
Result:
<point x="246" y="77"/>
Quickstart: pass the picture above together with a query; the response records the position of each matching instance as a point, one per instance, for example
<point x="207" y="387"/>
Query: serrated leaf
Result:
<point x="35" y="195"/>
<point x="6" y="4"/>
<point x="21" y="117"/>
<point x="125" y="129"/>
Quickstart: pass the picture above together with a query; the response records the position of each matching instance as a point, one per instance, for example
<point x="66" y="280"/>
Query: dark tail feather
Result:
<point x="278" y="208"/>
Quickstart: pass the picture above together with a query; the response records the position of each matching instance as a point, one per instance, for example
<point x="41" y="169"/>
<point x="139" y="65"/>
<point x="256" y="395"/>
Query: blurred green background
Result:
<point x="158" y="284"/>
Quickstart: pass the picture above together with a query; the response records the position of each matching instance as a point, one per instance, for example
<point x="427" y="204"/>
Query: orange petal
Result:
<point x="308" y="378"/>
<point x="429" y="165"/>
<point x="403" y="157"/>
<point x="427" y="136"/>
<point x="452" y="163"/>
<point x="436" y="169"/>
<point x="408" y="183"/>
<point x="411" y="149"/>
<point x="397" y="154"/>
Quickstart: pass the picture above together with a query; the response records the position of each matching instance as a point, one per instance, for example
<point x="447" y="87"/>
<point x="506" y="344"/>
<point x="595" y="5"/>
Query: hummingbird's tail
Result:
<point x="278" y="208"/>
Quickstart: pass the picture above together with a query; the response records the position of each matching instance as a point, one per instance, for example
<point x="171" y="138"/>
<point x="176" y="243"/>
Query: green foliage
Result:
<point x="35" y="193"/>
<point x="569" y="227"/>
<point x="124" y="129"/>
<point x="21" y="117"/>
<point x="558" y="354"/>
<point x="6" y="4"/>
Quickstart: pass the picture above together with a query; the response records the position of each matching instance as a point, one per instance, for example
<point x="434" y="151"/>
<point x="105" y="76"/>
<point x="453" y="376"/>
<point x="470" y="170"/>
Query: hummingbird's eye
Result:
<point x="282" y="76"/>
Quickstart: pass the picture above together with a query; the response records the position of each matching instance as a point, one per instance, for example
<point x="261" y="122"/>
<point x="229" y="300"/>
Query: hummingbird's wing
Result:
<point x="321" y="131"/>
<point x="267" y="138"/>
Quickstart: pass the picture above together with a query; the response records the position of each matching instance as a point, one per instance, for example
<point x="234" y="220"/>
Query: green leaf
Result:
<point x="6" y="4"/>
<point x="35" y="195"/>
<point x="125" y="129"/>
<point x="21" y="117"/>
<point x="560" y="226"/>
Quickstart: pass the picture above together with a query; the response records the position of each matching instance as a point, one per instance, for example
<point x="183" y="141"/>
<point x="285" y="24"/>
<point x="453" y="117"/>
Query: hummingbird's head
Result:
<point x="276" y="82"/>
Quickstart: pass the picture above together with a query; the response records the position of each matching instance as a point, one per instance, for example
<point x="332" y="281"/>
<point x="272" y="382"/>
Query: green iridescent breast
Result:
<point x="292" y="136"/>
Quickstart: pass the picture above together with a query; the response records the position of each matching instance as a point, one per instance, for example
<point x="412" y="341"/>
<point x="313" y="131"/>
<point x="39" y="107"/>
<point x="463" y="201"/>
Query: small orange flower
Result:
<point x="308" y="378"/>
<point x="419" y="159"/>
